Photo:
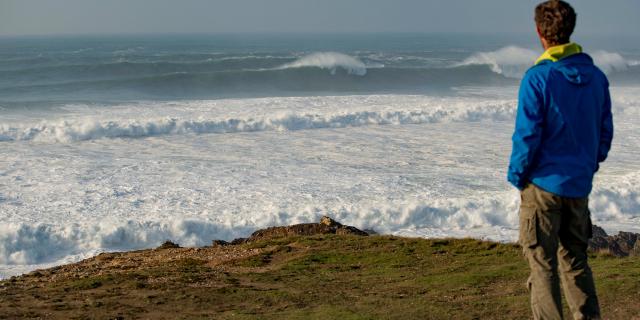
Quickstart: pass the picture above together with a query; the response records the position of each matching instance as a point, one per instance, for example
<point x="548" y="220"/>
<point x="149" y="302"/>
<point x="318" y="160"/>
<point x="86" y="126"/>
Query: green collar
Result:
<point x="556" y="53"/>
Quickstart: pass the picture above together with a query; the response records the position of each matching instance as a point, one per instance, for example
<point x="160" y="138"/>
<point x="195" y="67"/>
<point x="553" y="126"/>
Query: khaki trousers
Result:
<point x="554" y="233"/>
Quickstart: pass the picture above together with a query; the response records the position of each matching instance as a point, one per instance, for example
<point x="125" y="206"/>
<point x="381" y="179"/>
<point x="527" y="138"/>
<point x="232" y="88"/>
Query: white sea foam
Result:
<point x="431" y="110"/>
<point x="80" y="122"/>
<point x="617" y="200"/>
<point x="437" y="170"/>
<point x="489" y="215"/>
<point x="331" y="61"/>
<point x="26" y="244"/>
<point x="41" y="243"/>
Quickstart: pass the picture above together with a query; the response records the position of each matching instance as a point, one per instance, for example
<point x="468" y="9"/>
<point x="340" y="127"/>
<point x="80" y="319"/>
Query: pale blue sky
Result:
<point x="20" y="17"/>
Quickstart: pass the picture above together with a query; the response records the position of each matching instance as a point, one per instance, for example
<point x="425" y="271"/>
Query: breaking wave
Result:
<point x="89" y="129"/>
<point x="277" y="75"/>
<point x="24" y="244"/>
<point x="156" y="118"/>
<point x="284" y="80"/>
<point x="509" y="61"/>
<point x="610" y="62"/>
<point x="513" y="61"/>
<point x="331" y="61"/>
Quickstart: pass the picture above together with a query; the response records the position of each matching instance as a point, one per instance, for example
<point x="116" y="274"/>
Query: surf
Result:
<point x="341" y="112"/>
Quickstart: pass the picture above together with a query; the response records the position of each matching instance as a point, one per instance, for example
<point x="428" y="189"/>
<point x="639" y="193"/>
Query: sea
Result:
<point x="114" y="142"/>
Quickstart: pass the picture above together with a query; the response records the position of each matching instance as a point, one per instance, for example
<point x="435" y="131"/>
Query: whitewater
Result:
<point x="81" y="174"/>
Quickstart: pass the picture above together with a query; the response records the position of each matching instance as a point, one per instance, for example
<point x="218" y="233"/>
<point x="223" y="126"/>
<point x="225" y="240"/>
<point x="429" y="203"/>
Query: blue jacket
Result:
<point x="563" y="125"/>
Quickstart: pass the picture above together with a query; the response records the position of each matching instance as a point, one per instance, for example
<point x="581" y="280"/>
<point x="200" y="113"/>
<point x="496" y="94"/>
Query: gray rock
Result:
<point x="325" y="226"/>
<point x="168" y="245"/>
<point x="598" y="232"/>
<point x="219" y="243"/>
<point x="238" y="241"/>
<point x="351" y="230"/>
<point x="621" y="245"/>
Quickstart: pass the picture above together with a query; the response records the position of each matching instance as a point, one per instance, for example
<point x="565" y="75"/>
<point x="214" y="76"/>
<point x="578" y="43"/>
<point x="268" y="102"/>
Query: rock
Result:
<point x="626" y="240"/>
<point x="325" y="226"/>
<point x="219" y="243"/>
<point x="238" y="241"/>
<point x="168" y="245"/>
<point x="350" y="230"/>
<point x="327" y="221"/>
<point x="598" y="232"/>
<point x="303" y="229"/>
<point x="601" y="244"/>
<point x="621" y="245"/>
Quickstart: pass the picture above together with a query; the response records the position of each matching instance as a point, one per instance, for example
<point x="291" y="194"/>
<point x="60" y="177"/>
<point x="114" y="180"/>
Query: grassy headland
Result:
<point x="313" y="277"/>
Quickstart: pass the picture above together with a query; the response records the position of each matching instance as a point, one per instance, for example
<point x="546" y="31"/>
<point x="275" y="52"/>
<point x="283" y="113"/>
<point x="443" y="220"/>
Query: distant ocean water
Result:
<point x="114" y="143"/>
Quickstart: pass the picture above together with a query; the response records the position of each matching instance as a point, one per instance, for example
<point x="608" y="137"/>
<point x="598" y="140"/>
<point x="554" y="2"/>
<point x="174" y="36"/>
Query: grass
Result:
<point x="318" y="277"/>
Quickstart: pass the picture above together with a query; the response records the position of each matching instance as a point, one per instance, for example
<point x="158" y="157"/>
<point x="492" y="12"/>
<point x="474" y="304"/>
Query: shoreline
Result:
<point x="295" y="276"/>
<point x="621" y="244"/>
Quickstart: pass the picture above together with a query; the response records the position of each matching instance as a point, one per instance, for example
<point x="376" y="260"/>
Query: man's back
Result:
<point x="564" y="126"/>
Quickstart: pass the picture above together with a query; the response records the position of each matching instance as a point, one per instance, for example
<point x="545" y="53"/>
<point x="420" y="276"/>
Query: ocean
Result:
<point x="122" y="142"/>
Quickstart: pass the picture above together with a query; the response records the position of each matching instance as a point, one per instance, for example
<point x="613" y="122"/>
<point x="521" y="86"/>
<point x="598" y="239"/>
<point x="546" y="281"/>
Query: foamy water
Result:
<point x="78" y="178"/>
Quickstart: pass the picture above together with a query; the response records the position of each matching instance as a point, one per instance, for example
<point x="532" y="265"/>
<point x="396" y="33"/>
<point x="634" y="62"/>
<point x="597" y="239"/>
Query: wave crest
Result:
<point x="513" y="61"/>
<point x="610" y="62"/>
<point x="509" y="61"/>
<point x="89" y="129"/>
<point x="330" y="61"/>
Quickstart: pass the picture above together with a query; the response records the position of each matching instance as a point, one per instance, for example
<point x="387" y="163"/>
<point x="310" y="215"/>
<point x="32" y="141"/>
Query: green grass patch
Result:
<point x="92" y="282"/>
<point x="319" y="277"/>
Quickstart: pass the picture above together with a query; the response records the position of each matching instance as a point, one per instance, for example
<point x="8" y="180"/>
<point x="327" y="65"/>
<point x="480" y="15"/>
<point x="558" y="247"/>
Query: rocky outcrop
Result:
<point x="168" y="245"/>
<point x="621" y="245"/>
<point x="325" y="226"/>
<point x="219" y="243"/>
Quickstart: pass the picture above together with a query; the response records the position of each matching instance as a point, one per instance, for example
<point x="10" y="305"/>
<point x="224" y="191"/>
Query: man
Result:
<point x="563" y="131"/>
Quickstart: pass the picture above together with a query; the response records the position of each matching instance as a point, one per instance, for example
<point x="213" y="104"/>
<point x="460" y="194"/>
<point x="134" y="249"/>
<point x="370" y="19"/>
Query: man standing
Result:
<point x="563" y="131"/>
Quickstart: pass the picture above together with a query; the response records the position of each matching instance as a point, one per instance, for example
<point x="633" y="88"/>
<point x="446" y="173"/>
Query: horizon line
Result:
<point x="333" y="33"/>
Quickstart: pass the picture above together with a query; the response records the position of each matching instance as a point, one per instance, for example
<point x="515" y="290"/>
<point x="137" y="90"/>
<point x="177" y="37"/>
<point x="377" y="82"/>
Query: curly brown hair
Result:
<point x="556" y="20"/>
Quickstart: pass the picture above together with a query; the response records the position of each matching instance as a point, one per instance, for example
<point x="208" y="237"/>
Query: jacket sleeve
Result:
<point x="606" y="128"/>
<point x="528" y="130"/>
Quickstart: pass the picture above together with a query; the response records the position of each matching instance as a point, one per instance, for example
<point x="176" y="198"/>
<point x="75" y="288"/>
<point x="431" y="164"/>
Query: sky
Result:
<point x="46" y="17"/>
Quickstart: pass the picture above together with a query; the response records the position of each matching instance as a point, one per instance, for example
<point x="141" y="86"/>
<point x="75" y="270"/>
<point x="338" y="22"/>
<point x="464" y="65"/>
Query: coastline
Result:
<point x="282" y="273"/>
<point x="617" y="244"/>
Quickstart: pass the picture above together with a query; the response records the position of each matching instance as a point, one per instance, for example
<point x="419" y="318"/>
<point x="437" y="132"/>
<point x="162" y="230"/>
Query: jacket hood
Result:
<point x="556" y="53"/>
<point x="577" y="69"/>
<point x="569" y="60"/>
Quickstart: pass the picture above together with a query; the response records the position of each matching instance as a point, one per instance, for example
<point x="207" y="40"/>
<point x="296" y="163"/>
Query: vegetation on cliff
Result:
<point x="326" y="276"/>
